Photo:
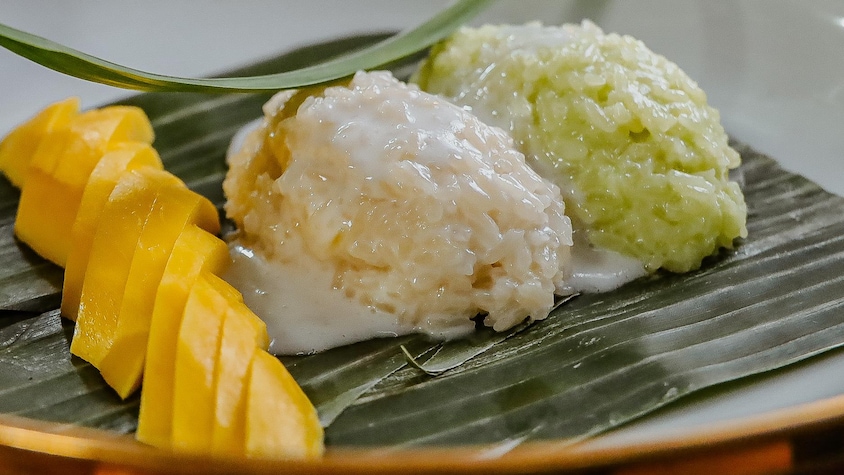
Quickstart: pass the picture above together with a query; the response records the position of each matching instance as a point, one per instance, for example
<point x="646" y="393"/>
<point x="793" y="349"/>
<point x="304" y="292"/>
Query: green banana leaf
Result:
<point x="597" y="362"/>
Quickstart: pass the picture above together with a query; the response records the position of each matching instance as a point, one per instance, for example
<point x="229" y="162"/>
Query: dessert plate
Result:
<point x="778" y="90"/>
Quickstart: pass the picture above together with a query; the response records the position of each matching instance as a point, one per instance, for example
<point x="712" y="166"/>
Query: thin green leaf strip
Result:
<point x="335" y="379"/>
<point x="84" y="66"/>
<point x="453" y="354"/>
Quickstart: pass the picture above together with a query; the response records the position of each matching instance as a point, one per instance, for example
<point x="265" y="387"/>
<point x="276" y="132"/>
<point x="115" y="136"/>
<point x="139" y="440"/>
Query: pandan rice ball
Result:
<point x="641" y="158"/>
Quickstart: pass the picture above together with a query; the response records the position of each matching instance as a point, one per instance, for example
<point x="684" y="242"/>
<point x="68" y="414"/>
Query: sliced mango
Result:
<point x="125" y="157"/>
<point x="141" y="281"/>
<point x="174" y="209"/>
<point x="243" y="334"/>
<point x="86" y="137"/>
<point x="195" y="251"/>
<point x="280" y="420"/>
<point x="60" y="169"/>
<point x="196" y="358"/>
<point x="39" y="210"/>
<point x="121" y="223"/>
<point x="17" y="149"/>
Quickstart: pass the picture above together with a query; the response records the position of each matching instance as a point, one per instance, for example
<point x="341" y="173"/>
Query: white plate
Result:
<point x="774" y="68"/>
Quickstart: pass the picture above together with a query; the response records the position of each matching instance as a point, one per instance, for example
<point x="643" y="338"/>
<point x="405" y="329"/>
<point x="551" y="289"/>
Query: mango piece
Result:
<point x="17" y="149"/>
<point x="115" y="241"/>
<point x="107" y="172"/>
<point x="196" y="251"/>
<point x="86" y="137"/>
<point x="196" y="358"/>
<point x="38" y="211"/>
<point x="60" y="168"/>
<point x="174" y="209"/>
<point x="243" y="334"/>
<point x="280" y="420"/>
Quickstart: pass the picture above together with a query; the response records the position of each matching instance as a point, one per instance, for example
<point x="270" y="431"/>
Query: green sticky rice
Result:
<point x="641" y="158"/>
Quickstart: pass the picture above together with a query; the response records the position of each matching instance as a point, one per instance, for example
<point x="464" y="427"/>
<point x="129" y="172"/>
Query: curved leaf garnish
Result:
<point x="84" y="66"/>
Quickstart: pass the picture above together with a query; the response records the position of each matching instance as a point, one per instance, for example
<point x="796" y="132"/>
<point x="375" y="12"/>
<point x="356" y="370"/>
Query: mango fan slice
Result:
<point x="17" y="149"/>
<point x="121" y="223"/>
<point x="61" y="166"/>
<point x="173" y="210"/>
<point x="196" y="251"/>
<point x="280" y="420"/>
<point x="197" y="348"/>
<point x="125" y="157"/>
<point x="243" y="334"/>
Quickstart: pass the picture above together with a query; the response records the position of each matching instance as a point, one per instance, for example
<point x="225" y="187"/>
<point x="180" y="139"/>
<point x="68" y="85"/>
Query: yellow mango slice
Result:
<point x="174" y="209"/>
<point x="280" y="420"/>
<point x="59" y="170"/>
<point x="196" y="251"/>
<point x="125" y="157"/>
<point x="121" y="223"/>
<point x="86" y="137"/>
<point x="196" y="357"/>
<point x="17" y="149"/>
<point x="243" y="334"/>
<point x="46" y="213"/>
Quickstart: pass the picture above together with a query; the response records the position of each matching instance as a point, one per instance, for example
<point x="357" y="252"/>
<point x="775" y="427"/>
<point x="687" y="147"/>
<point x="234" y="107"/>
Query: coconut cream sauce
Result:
<point x="305" y="313"/>
<point x="596" y="270"/>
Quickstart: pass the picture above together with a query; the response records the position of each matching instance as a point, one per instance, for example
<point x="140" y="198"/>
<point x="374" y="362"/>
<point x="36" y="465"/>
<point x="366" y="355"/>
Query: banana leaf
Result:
<point x="598" y="361"/>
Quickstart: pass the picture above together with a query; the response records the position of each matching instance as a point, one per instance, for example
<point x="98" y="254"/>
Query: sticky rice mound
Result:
<point x="423" y="211"/>
<point x="641" y="159"/>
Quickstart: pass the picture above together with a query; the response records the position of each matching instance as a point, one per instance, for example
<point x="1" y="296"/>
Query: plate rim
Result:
<point x="28" y="443"/>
